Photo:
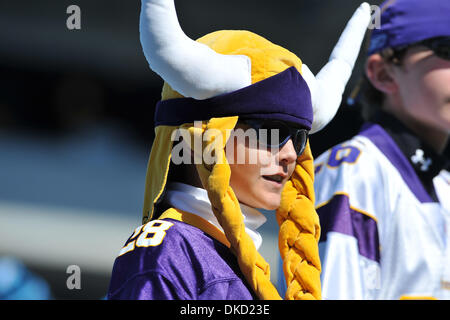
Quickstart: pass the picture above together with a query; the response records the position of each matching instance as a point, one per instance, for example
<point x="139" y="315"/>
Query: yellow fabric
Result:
<point x="157" y="169"/>
<point x="300" y="232"/>
<point x="196" y="221"/>
<point x="299" y="227"/>
<point x="158" y="166"/>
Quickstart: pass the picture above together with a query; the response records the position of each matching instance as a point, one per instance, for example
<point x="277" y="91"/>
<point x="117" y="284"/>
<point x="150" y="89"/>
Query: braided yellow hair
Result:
<point x="300" y="232"/>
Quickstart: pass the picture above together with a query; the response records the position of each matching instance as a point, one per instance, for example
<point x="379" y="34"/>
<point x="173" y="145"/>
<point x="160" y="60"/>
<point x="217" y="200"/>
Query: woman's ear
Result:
<point x="379" y="73"/>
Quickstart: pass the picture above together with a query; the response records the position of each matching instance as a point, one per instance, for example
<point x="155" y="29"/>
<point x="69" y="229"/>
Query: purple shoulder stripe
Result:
<point x="338" y="216"/>
<point x="387" y="146"/>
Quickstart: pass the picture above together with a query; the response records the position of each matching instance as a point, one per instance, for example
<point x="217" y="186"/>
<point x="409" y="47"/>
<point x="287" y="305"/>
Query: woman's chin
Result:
<point x="262" y="201"/>
<point x="271" y="207"/>
<point x="270" y="201"/>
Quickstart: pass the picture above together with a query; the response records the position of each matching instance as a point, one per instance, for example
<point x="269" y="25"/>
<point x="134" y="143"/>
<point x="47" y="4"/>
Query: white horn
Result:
<point x="191" y="68"/>
<point x="328" y="85"/>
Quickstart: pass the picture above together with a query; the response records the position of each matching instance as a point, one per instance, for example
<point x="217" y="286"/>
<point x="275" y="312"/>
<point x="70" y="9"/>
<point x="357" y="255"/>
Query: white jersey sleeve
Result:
<point x="350" y="196"/>
<point x="382" y="235"/>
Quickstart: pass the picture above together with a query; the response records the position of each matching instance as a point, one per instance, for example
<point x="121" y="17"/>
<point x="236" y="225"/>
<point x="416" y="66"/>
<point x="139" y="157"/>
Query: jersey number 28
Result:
<point x="150" y="235"/>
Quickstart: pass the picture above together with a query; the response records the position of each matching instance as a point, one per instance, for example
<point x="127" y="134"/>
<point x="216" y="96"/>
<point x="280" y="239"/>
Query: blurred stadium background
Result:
<point x="76" y="126"/>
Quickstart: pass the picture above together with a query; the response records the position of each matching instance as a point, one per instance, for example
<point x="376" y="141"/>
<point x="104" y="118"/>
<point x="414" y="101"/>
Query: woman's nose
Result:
<point x="287" y="153"/>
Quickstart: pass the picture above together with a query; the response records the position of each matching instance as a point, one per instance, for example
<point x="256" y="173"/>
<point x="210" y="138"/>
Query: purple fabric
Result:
<point x="318" y="168"/>
<point x="408" y="21"/>
<point x="350" y="157"/>
<point x="187" y="265"/>
<point x="387" y="146"/>
<point x="284" y="96"/>
<point x="337" y="216"/>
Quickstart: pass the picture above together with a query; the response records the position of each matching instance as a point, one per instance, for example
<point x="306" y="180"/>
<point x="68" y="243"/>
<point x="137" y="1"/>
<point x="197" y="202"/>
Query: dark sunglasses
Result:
<point x="278" y="133"/>
<point x="440" y="47"/>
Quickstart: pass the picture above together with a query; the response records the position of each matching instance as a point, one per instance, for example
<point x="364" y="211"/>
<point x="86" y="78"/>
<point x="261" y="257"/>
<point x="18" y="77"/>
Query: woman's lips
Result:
<point x="276" y="179"/>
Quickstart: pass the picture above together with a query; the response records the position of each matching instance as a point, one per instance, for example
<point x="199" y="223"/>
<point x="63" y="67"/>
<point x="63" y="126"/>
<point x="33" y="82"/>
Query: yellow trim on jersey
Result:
<point x="343" y="147"/>
<point x="197" y="222"/>
<point x="341" y="193"/>
<point x="418" y="298"/>
<point x="445" y="284"/>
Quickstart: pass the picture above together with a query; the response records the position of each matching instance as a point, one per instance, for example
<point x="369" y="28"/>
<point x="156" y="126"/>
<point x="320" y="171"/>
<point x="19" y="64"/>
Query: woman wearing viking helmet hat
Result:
<point x="198" y="239"/>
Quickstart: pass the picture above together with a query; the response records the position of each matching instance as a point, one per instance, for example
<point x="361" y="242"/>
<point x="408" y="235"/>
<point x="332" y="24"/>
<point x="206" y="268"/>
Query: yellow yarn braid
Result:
<point x="300" y="232"/>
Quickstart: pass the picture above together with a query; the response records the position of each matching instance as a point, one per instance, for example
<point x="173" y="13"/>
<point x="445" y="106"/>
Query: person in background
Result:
<point x="383" y="197"/>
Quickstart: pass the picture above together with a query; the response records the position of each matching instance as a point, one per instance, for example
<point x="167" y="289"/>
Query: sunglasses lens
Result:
<point x="277" y="132"/>
<point x="441" y="47"/>
<point x="274" y="133"/>
<point x="300" y="141"/>
<point x="443" y="52"/>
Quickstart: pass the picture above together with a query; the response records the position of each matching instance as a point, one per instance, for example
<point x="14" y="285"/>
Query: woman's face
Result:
<point x="258" y="175"/>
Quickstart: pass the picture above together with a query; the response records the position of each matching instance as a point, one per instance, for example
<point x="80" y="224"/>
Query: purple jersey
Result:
<point x="170" y="259"/>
